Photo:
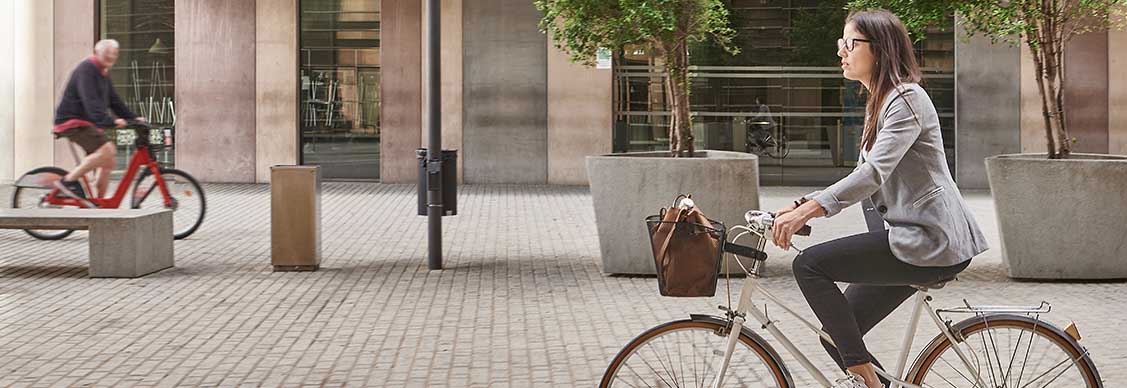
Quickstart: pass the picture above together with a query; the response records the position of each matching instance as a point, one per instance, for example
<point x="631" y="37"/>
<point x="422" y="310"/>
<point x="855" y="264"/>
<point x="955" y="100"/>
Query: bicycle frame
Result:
<point x="142" y="159"/>
<point x="745" y="307"/>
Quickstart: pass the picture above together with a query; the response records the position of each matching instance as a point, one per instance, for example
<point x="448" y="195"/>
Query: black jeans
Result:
<point x="879" y="282"/>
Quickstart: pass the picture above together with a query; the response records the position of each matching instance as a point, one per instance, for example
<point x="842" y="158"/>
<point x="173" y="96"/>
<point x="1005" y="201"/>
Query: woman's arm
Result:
<point x="899" y="132"/>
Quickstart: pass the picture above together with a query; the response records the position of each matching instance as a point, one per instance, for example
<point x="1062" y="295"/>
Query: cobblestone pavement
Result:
<point x="522" y="301"/>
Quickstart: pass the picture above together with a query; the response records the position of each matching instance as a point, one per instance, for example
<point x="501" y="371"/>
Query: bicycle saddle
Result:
<point x="935" y="285"/>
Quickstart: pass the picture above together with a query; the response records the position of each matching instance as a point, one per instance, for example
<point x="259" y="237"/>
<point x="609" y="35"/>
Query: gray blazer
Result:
<point x="905" y="182"/>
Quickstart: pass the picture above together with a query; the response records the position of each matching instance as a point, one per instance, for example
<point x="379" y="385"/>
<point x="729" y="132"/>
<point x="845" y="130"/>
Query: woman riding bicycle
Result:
<point x="903" y="171"/>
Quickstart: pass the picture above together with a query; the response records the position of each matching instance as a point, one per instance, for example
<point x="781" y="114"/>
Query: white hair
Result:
<point x="105" y="44"/>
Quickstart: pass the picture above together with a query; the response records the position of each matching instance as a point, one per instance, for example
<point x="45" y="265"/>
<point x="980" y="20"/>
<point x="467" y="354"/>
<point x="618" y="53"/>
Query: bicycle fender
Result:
<point x="957" y="329"/>
<point x="41" y="178"/>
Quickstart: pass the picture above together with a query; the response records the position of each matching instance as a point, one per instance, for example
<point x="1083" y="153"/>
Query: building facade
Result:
<point x="235" y="87"/>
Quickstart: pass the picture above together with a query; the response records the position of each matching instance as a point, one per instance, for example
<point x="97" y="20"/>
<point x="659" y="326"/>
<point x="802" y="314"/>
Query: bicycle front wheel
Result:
<point x="1008" y="351"/>
<point x="186" y="196"/>
<point x="688" y="353"/>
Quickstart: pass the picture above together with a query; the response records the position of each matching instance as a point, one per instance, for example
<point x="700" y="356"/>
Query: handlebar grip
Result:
<point x="804" y="231"/>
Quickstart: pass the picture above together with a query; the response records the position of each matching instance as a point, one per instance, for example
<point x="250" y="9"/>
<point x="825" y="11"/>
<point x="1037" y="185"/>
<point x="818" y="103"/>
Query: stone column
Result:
<point x="401" y="85"/>
<point x="74" y="29"/>
<point x="215" y="89"/>
<point x="276" y="85"/>
<point x="580" y="117"/>
<point x="1032" y="124"/>
<point x="1117" y="92"/>
<point x="987" y="105"/>
<point x="33" y="60"/>
<point x="7" y="89"/>
<point x="1086" y="91"/>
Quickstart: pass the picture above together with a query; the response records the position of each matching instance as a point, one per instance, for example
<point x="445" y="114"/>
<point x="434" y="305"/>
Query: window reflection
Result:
<point x="339" y="87"/>
<point x="782" y="98"/>
<point x="144" y="75"/>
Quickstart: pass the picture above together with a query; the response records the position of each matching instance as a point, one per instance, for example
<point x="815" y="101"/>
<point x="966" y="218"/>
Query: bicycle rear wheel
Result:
<point x="35" y="197"/>
<point x="687" y="353"/>
<point x="1008" y="351"/>
<point x="188" y="203"/>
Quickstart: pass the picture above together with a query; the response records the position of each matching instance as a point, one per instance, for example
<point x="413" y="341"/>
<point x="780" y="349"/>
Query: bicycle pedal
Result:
<point x="851" y="381"/>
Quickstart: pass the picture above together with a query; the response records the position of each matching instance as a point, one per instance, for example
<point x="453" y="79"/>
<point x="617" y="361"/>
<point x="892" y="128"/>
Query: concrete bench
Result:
<point x="123" y="243"/>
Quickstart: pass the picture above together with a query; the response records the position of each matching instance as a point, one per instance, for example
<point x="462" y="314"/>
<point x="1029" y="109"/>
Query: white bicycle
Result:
<point x="998" y="346"/>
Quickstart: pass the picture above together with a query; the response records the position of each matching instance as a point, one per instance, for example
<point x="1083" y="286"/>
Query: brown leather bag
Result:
<point x="686" y="247"/>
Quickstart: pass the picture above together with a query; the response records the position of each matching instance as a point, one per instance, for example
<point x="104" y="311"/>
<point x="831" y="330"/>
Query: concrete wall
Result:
<point x="215" y="89"/>
<point x="987" y="106"/>
<point x="1117" y="92"/>
<point x="34" y="94"/>
<point x="505" y="103"/>
<point x="74" y="41"/>
<point x="400" y="89"/>
<point x="7" y="89"/>
<point x="580" y="117"/>
<point x="276" y="85"/>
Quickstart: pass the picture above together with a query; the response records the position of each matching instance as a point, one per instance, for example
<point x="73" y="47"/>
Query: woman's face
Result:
<point x="858" y="64"/>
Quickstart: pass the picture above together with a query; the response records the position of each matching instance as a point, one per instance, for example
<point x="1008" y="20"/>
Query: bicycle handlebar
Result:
<point x="766" y="220"/>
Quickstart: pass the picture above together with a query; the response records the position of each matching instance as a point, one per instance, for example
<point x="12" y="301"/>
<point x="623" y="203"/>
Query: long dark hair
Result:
<point x="895" y="62"/>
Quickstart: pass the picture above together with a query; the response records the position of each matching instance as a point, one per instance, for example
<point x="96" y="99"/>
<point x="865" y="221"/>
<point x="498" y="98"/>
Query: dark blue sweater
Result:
<point x="90" y="96"/>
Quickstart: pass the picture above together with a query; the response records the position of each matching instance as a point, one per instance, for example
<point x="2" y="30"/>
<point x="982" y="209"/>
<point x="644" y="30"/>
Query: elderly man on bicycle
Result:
<point x="83" y="115"/>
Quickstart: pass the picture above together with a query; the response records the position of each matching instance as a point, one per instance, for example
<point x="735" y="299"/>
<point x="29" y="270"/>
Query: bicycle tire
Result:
<point x="187" y="178"/>
<point x="717" y="326"/>
<point x="967" y="328"/>
<point x="60" y="233"/>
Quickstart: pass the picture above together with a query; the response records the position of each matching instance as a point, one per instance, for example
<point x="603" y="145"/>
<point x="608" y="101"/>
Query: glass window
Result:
<point x="340" y="83"/>
<point x="783" y="97"/>
<point x="144" y="75"/>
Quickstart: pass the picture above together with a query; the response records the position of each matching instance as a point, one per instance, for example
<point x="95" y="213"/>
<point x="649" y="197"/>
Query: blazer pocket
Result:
<point x="929" y="195"/>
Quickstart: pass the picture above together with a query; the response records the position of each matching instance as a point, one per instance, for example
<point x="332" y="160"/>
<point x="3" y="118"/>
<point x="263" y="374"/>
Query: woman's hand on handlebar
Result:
<point x="790" y="222"/>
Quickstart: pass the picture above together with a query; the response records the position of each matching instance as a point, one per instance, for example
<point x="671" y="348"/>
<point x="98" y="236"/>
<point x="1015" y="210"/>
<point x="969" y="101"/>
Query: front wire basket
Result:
<point x="717" y="231"/>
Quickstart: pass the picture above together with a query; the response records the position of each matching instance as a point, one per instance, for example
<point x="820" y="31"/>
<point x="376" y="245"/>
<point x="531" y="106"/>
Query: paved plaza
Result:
<point x="522" y="302"/>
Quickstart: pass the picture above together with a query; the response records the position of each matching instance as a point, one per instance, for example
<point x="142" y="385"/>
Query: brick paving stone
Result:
<point x="522" y="301"/>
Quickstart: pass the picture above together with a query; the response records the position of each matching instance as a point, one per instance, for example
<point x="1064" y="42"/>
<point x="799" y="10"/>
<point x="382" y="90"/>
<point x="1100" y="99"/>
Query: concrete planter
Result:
<point x="1061" y="219"/>
<point x="626" y="188"/>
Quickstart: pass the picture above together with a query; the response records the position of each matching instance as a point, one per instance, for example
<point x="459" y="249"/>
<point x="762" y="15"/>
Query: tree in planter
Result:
<point x="1045" y="26"/>
<point x="582" y="27"/>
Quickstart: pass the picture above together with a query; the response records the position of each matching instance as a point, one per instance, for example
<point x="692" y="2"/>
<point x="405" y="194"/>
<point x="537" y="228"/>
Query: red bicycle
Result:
<point x="152" y="186"/>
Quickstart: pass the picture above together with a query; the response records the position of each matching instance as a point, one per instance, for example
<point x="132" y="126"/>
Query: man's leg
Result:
<point x="97" y="147"/>
<point x="108" y="160"/>
<point x="99" y="152"/>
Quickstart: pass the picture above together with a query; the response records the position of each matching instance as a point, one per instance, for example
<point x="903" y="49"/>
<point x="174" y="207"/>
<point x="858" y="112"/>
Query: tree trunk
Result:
<point x="671" y="101"/>
<point x="681" y="94"/>
<point x="680" y="128"/>
<point x="1065" y="141"/>
<point x="1046" y="111"/>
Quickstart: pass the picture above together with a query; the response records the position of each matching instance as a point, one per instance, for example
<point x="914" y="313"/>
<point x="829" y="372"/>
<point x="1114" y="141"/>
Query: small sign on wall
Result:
<point x="602" y="58"/>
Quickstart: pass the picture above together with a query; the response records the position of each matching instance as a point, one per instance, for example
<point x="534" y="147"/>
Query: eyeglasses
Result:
<point x="849" y="44"/>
